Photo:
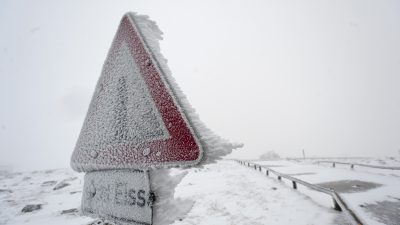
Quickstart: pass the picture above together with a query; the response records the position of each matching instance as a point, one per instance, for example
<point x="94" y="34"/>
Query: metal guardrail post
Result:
<point x="336" y="206"/>
<point x="267" y="172"/>
<point x="352" y="166"/>
<point x="294" y="184"/>
<point x="333" y="165"/>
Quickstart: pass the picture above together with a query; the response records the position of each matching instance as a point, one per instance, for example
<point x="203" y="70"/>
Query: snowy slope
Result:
<point x="224" y="193"/>
<point x="20" y="189"/>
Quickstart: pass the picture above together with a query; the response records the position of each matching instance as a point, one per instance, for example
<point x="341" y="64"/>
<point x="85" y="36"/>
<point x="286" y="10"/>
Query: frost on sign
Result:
<point x="122" y="110"/>
<point x="123" y="196"/>
<point x="135" y="119"/>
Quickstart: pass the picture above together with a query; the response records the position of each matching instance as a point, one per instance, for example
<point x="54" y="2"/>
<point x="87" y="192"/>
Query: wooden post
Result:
<point x="294" y="184"/>
<point x="333" y="165"/>
<point x="267" y="172"/>
<point x="259" y="168"/>
<point x="352" y="166"/>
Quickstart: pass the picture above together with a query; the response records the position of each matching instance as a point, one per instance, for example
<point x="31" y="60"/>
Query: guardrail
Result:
<point x="338" y="202"/>
<point x="360" y="164"/>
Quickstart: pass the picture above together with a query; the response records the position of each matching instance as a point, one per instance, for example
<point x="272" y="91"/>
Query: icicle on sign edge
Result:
<point x="183" y="148"/>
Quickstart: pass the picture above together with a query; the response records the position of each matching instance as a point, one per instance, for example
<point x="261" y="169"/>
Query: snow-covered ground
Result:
<point x="374" y="194"/>
<point x="21" y="189"/>
<point x="224" y="193"/>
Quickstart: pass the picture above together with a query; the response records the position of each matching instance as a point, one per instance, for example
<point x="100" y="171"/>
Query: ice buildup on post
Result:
<point x="139" y="123"/>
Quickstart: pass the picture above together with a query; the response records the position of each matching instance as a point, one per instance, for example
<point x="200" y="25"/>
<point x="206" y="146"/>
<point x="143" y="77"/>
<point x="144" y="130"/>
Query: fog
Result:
<point x="281" y="76"/>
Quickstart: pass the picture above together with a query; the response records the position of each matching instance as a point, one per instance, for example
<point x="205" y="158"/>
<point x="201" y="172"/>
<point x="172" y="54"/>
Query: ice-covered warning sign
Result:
<point x="138" y="123"/>
<point x="135" y="119"/>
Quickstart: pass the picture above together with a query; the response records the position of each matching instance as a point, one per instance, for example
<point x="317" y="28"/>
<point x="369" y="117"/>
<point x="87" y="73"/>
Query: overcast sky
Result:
<point x="323" y="76"/>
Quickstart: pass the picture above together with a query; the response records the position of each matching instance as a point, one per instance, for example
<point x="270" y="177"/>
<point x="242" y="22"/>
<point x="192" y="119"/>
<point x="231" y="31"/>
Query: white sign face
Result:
<point x="123" y="111"/>
<point x="122" y="196"/>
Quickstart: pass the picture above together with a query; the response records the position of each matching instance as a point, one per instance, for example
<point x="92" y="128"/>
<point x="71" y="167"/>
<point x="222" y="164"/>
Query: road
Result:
<point x="373" y="194"/>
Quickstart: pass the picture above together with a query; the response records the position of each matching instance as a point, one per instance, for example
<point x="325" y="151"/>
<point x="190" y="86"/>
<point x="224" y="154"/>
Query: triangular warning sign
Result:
<point x="134" y="119"/>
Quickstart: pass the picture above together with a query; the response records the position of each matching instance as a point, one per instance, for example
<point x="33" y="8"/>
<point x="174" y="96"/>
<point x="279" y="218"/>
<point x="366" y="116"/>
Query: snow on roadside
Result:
<point x="227" y="193"/>
<point x="224" y="193"/>
<point x="381" y="187"/>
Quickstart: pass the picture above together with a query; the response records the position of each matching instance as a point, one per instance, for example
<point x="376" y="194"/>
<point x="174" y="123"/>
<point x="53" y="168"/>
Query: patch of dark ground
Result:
<point x="5" y="190"/>
<point x="49" y="183"/>
<point x="349" y="186"/>
<point x="31" y="208"/>
<point x="70" y="211"/>
<point x="386" y="212"/>
<point x="60" y="185"/>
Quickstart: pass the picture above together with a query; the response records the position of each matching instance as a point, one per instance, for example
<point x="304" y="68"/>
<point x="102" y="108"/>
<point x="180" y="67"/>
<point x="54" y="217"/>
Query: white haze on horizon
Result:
<point x="323" y="76"/>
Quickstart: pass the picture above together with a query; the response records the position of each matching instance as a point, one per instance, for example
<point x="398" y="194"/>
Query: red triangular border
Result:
<point x="182" y="148"/>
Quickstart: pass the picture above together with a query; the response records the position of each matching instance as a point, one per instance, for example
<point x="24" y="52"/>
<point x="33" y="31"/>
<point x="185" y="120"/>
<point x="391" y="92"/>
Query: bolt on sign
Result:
<point x="135" y="122"/>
